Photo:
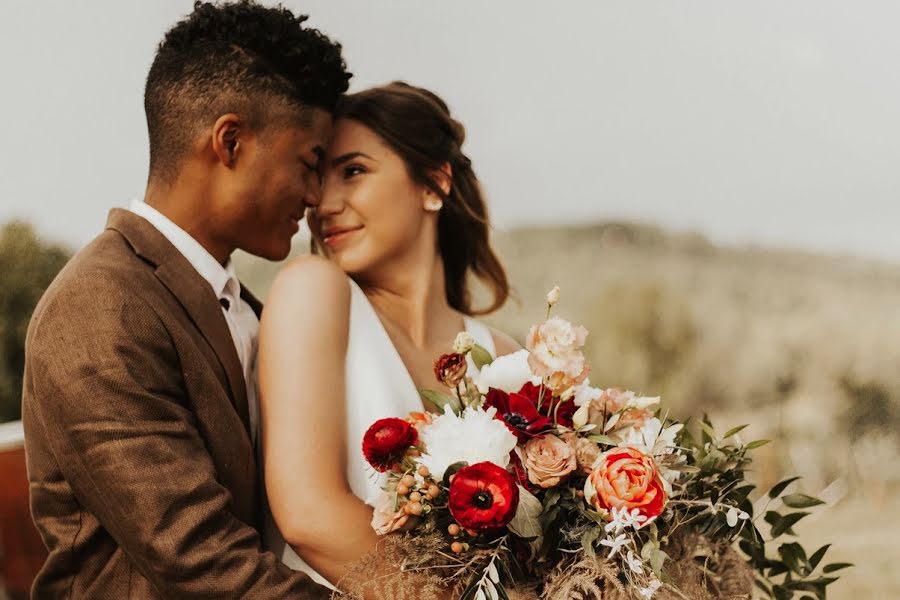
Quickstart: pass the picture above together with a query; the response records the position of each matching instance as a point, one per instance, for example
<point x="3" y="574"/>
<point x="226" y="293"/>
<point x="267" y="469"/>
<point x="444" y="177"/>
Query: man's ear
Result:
<point x="227" y="136"/>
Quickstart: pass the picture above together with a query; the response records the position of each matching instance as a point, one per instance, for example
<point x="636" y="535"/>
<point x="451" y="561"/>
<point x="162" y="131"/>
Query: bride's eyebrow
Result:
<point x="348" y="157"/>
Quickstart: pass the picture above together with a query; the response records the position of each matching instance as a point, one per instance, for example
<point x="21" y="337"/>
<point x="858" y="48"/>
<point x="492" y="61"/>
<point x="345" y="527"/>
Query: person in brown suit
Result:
<point x="138" y="430"/>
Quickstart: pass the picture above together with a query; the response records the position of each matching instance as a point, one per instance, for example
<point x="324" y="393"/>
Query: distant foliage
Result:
<point x="27" y="266"/>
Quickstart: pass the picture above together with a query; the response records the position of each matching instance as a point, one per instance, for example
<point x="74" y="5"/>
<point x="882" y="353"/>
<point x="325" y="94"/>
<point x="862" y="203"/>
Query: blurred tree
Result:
<point x="27" y="266"/>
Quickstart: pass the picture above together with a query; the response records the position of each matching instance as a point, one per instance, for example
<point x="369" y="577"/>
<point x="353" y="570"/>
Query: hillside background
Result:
<point x="804" y="347"/>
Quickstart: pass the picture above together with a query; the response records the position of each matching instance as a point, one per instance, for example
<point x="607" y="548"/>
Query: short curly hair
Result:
<point x="236" y="57"/>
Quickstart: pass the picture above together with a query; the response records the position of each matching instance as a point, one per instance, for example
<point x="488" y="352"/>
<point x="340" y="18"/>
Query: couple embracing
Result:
<point x="181" y="441"/>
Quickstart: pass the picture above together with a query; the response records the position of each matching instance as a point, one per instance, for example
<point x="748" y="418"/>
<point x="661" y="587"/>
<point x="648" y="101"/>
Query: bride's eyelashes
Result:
<point x="351" y="171"/>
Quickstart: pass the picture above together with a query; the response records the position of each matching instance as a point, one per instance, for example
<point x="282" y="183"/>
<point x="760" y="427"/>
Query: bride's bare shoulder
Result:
<point x="310" y="275"/>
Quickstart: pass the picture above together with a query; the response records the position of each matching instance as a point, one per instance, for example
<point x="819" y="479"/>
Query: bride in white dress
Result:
<point x="348" y="339"/>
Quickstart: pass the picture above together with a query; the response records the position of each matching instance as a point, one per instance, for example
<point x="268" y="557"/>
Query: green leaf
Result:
<point x="794" y="557"/>
<point x="786" y="522"/>
<point x="657" y="559"/>
<point x="818" y="555"/>
<point x="836" y="567"/>
<point x="782" y="593"/>
<point x="481" y="357"/>
<point x="707" y="429"/>
<point x="588" y="539"/>
<point x="801" y="501"/>
<point x="601" y="439"/>
<point x="438" y="401"/>
<point x="733" y="431"/>
<point x="451" y="471"/>
<point x="526" y="523"/>
<point x="781" y="486"/>
<point x="756" y="444"/>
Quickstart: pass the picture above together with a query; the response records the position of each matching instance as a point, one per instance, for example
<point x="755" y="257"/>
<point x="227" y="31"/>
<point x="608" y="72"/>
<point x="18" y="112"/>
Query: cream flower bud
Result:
<point x="463" y="343"/>
<point x="553" y="295"/>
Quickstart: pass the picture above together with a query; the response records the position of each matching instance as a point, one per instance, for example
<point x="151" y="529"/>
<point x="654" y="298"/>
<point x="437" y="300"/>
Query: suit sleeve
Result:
<point x="108" y="392"/>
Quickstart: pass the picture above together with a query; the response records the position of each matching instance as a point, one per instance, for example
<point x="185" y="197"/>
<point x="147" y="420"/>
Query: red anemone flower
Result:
<point x="518" y="412"/>
<point x="483" y="497"/>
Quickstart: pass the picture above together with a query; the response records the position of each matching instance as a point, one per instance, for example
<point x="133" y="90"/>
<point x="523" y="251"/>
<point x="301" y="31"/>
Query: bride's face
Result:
<point x="371" y="210"/>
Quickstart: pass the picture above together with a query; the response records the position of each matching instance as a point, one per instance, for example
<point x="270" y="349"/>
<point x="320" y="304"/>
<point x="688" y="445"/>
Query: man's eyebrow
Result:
<point x="347" y="157"/>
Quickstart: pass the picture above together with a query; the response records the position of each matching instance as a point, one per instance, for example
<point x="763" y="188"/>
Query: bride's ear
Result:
<point x="443" y="177"/>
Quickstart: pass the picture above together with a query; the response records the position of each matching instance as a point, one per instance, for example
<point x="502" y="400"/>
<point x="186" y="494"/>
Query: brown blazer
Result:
<point x="142" y="475"/>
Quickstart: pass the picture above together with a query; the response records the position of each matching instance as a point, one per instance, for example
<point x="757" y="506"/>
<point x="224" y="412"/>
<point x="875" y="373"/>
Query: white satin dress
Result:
<point x="378" y="385"/>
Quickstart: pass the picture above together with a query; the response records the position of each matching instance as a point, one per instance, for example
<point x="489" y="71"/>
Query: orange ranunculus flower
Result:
<point x="626" y="478"/>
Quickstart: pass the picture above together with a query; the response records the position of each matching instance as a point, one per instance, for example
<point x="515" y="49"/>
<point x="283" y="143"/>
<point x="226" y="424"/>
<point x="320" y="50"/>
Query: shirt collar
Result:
<point x="203" y="262"/>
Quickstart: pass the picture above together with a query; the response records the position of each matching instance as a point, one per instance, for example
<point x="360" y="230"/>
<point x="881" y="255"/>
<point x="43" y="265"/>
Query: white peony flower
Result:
<point x="507" y="373"/>
<point x="475" y="436"/>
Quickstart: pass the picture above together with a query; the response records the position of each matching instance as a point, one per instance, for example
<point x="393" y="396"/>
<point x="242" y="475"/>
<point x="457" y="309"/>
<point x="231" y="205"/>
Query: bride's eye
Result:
<point x="351" y="171"/>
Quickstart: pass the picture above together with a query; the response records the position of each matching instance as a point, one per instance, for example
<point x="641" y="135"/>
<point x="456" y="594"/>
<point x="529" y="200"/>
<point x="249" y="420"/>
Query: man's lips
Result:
<point x="333" y="235"/>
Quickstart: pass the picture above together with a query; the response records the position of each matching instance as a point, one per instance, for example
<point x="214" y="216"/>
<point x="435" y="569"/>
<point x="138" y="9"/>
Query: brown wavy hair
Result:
<point x="417" y="125"/>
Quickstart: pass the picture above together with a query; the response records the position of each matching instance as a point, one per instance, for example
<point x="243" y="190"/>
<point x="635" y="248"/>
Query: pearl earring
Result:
<point x="433" y="204"/>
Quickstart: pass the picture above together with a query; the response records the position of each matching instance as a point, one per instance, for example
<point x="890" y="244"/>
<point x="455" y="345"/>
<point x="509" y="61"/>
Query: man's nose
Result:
<point x="313" y="196"/>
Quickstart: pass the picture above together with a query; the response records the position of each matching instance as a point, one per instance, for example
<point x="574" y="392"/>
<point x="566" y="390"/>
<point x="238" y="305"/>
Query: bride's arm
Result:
<point x="302" y="351"/>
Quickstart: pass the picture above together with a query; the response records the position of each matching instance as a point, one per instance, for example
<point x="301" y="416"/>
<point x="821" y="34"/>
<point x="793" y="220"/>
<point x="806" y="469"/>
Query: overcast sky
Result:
<point x="754" y="121"/>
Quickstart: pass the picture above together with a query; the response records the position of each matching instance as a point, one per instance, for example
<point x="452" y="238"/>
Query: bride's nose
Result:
<point x="331" y="201"/>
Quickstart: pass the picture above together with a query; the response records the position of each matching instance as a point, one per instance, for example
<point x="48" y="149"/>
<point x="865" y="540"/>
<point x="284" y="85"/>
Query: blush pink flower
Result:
<point x="386" y="519"/>
<point x="634" y="411"/>
<point x="548" y="460"/>
<point x="554" y="353"/>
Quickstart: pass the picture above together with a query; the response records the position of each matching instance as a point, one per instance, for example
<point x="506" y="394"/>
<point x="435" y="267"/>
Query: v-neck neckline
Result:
<point x="386" y="337"/>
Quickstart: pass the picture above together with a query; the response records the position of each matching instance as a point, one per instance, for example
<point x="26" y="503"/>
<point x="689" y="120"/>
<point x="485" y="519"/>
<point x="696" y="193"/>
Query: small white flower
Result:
<point x="553" y="295"/>
<point x="463" y="343"/>
<point x="734" y="515"/>
<point x="634" y="563"/>
<point x="648" y="591"/>
<point x="615" y="544"/>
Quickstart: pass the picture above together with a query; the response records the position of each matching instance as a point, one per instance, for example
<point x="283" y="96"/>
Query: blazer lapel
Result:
<point x="194" y="294"/>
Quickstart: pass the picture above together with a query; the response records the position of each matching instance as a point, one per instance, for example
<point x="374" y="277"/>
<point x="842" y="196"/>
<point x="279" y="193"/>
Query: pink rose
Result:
<point x="554" y="353"/>
<point x="547" y="460"/>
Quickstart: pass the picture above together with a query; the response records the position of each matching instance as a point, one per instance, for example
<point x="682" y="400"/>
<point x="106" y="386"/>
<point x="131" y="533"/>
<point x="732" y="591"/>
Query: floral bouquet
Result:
<point x="528" y="478"/>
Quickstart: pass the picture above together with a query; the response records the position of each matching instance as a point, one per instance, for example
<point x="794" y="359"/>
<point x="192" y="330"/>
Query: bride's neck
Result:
<point x="413" y="298"/>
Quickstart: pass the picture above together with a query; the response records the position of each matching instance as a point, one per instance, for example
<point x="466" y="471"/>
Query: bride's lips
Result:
<point x="335" y="235"/>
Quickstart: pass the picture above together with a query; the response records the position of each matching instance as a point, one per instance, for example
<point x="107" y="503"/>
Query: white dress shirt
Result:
<point x="242" y="321"/>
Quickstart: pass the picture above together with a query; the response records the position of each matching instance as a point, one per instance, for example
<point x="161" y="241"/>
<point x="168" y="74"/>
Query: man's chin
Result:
<point x="274" y="252"/>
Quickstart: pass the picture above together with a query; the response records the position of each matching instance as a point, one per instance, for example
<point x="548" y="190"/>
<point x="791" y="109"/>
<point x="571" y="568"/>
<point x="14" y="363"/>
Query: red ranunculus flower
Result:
<point x="450" y="369"/>
<point x="387" y="441"/>
<point x="519" y="412"/>
<point x="483" y="497"/>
